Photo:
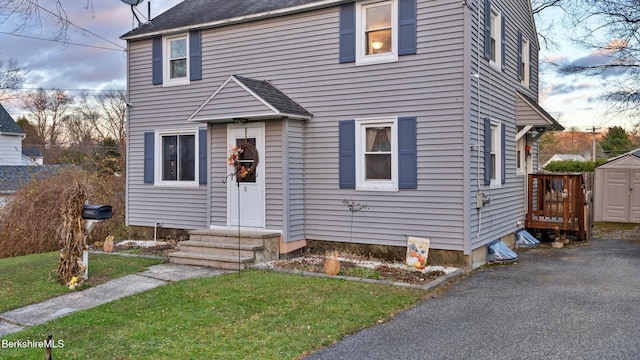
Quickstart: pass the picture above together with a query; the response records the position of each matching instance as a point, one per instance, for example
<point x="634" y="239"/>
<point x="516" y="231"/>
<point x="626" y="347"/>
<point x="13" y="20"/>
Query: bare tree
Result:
<point x="31" y="12"/>
<point x="107" y="112"/>
<point x="47" y="112"/>
<point x="611" y="29"/>
<point x="540" y="9"/>
<point x="11" y="76"/>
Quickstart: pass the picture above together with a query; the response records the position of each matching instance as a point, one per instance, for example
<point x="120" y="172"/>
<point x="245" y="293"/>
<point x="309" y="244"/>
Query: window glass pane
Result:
<point x="378" y="139"/>
<point x="378" y="29"/>
<point x="178" y="48"/>
<point x="178" y="68"/>
<point x="169" y="157"/>
<point x="187" y="157"/>
<point x="378" y="17"/>
<point x="378" y="42"/>
<point x="378" y="166"/>
<point x="247" y="158"/>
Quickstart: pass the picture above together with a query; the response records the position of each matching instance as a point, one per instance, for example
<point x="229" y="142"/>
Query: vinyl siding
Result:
<point x="495" y="93"/>
<point x="298" y="54"/>
<point x="294" y="173"/>
<point x="10" y="150"/>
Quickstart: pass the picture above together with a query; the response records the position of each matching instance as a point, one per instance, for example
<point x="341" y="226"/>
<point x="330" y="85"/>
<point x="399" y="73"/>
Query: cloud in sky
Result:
<point x="51" y="64"/>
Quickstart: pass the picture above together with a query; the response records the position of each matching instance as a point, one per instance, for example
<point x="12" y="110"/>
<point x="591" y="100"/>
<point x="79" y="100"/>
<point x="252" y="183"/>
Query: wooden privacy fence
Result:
<point x="559" y="202"/>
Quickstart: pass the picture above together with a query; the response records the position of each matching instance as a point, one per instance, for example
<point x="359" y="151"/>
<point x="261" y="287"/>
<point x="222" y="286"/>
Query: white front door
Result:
<point x="245" y="194"/>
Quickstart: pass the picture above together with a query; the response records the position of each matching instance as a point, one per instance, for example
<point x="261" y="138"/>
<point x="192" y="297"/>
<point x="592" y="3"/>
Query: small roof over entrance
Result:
<point x="531" y="116"/>
<point x="248" y="99"/>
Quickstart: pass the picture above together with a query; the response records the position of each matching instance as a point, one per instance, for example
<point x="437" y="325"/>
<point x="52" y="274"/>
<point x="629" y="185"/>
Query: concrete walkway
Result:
<point x="157" y="275"/>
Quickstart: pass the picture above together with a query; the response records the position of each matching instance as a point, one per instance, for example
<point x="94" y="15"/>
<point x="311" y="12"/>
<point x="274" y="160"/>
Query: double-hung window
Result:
<point x="494" y="153"/>
<point x="377" y="32"/>
<point x="176" y="60"/>
<point x="376" y="154"/>
<point x="523" y="60"/>
<point x="494" y="36"/>
<point x="177" y="158"/>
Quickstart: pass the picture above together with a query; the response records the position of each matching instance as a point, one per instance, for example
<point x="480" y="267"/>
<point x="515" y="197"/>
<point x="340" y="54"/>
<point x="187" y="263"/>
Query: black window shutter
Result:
<point x="149" y="138"/>
<point x="202" y="155"/>
<point x="347" y="154"/>
<point x="503" y="153"/>
<point x="487" y="29"/>
<point x="195" y="55"/>
<point x="503" y="41"/>
<point x="520" y="55"/>
<point x="487" y="151"/>
<point x="348" y="33"/>
<point x="407" y="27"/>
<point x="156" y="54"/>
<point x="407" y="153"/>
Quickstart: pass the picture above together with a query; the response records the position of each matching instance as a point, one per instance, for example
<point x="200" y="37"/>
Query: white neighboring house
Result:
<point x="11" y="136"/>
<point x="561" y="157"/>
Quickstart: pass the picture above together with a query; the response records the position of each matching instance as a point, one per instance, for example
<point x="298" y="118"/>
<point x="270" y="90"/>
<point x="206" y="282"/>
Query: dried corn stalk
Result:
<point x="72" y="235"/>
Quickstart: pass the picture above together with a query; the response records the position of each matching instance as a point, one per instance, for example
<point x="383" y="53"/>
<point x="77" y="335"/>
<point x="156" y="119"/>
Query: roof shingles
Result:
<point x="7" y="124"/>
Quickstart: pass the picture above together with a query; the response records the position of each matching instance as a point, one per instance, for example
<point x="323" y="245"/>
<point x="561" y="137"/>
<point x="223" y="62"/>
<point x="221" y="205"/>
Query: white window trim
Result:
<point x="166" y="68"/>
<point x="496" y="136"/>
<point x="361" y="57"/>
<point x="521" y="153"/>
<point x="157" y="159"/>
<point x="497" y="27"/>
<point x="526" y="53"/>
<point x="376" y="185"/>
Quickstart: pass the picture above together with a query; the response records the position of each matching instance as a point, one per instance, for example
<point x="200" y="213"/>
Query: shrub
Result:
<point x="32" y="217"/>
<point x="570" y="166"/>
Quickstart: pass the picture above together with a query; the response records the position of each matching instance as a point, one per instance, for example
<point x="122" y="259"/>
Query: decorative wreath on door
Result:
<point x="235" y="155"/>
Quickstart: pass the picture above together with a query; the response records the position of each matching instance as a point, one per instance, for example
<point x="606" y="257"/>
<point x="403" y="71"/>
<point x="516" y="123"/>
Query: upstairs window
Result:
<point x="377" y="31"/>
<point x="494" y="36"/>
<point x="524" y="61"/>
<point x="177" y="60"/>
<point x="376" y="23"/>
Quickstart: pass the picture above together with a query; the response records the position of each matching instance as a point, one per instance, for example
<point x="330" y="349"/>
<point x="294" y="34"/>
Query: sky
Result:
<point x="572" y="100"/>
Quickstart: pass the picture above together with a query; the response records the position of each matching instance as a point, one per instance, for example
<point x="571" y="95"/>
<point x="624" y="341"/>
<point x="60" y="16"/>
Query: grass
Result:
<point x="29" y="279"/>
<point x="258" y="315"/>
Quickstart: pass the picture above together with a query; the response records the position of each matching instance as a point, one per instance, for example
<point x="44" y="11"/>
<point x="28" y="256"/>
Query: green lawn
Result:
<point x="257" y="315"/>
<point x="29" y="279"/>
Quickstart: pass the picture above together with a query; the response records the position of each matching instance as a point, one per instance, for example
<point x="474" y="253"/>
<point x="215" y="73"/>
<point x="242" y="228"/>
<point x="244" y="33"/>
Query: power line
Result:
<point x="62" y="41"/>
<point x="71" y="23"/>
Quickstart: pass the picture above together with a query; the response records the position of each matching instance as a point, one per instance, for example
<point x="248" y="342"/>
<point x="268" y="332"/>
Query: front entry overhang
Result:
<point x="531" y="117"/>
<point x="244" y="99"/>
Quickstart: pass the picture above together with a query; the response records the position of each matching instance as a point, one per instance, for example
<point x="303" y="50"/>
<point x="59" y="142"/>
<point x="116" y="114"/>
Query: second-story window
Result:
<point x="377" y="34"/>
<point x="176" y="64"/>
<point x="523" y="71"/>
<point x="496" y="38"/>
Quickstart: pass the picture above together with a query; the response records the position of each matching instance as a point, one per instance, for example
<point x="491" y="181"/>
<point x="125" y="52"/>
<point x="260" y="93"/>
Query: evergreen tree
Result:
<point x="616" y="142"/>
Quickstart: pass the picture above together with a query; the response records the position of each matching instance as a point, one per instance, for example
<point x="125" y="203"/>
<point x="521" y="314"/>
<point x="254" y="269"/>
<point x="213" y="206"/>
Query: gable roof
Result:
<point x="630" y="159"/>
<point x="196" y="14"/>
<point x="7" y="124"/>
<point x="534" y="115"/>
<point x="244" y="98"/>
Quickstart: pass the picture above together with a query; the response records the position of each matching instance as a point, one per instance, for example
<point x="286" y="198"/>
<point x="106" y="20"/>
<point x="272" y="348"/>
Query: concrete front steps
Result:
<point x="220" y="248"/>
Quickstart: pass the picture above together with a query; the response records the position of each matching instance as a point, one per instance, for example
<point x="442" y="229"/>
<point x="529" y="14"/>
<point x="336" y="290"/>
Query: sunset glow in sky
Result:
<point x="573" y="100"/>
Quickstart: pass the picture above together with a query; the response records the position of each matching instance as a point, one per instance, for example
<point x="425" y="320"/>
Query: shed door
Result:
<point x="622" y="195"/>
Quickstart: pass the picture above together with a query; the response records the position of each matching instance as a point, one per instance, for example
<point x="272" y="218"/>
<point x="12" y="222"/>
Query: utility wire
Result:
<point x="71" y="23"/>
<point x="61" y="41"/>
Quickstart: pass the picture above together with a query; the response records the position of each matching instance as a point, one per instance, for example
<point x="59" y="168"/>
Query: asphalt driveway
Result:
<point x="572" y="303"/>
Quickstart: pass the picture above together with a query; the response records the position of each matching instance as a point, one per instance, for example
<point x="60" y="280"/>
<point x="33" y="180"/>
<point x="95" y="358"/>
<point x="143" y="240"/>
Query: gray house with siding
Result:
<point x="424" y="110"/>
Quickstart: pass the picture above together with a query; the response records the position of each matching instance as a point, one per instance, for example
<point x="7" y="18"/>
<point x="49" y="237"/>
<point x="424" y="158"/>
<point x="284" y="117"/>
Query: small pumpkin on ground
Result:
<point x="332" y="264"/>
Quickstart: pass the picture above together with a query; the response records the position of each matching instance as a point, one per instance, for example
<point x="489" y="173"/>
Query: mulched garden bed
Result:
<point x="395" y="272"/>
